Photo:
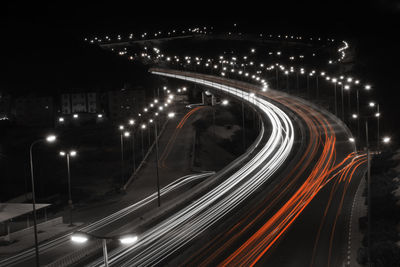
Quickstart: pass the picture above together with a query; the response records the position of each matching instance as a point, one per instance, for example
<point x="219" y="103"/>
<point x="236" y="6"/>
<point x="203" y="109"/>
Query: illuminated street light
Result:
<point x="50" y="139"/>
<point x="69" y="154"/>
<point x="351" y="139"/>
<point x="81" y="238"/>
<point x="386" y="139"/>
<point x="128" y="240"/>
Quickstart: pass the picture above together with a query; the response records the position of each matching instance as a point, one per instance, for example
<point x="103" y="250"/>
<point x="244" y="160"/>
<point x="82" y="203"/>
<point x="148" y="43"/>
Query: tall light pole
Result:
<point x="82" y="237"/>
<point x="157" y="162"/>
<point x="49" y="139"/>
<point x="123" y="134"/>
<point x="347" y="88"/>
<point x="142" y="127"/>
<point x="342" y="86"/>
<point x="358" y="113"/>
<point x="71" y="153"/>
<point x="334" y="80"/>
<point x="132" y="122"/>
<point x="384" y="140"/>
<point x="287" y="80"/>
<point x="377" y="115"/>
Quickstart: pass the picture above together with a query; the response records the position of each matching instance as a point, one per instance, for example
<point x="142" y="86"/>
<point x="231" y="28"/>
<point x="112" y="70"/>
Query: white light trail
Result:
<point x="180" y="228"/>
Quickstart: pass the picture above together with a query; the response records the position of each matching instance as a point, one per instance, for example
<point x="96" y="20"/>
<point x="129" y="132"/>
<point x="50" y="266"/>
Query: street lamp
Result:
<point x="386" y="139"/>
<point x="132" y="123"/>
<point x="377" y="115"/>
<point x="49" y="139"/>
<point x="123" y="134"/>
<point x="71" y="153"/>
<point x="143" y="127"/>
<point x="82" y="237"/>
<point x="334" y="80"/>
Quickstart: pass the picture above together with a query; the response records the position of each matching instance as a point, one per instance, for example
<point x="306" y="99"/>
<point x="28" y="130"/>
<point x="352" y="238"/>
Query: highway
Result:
<point x="325" y="162"/>
<point x="295" y="182"/>
<point x="220" y="194"/>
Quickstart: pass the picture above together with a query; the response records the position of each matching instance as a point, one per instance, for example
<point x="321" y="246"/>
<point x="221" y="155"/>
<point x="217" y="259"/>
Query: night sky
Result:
<point x="44" y="42"/>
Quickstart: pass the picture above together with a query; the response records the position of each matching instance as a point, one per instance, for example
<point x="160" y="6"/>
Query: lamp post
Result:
<point x="49" y="139"/>
<point x="132" y="122"/>
<point x="342" y="87"/>
<point x="142" y="127"/>
<point x="157" y="161"/>
<point x="69" y="154"/>
<point x="385" y="140"/>
<point x="317" y="81"/>
<point x="123" y="134"/>
<point x="347" y="88"/>
<point x="287" y="80"/>
<point x="358" y="113"/>
<point x="334" y="80"/>
<point x="82" y="237"/>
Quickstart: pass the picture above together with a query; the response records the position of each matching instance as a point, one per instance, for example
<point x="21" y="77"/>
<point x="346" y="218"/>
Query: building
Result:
<point x="79" y="103"/>
<point x="34" y="110"/>
<point x="125" y="103"/>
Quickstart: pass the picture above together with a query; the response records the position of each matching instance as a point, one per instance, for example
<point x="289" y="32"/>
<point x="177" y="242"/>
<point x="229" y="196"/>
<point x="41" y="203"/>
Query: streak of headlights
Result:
<point x="20" y="257"/>
<point x="167" y="237"/>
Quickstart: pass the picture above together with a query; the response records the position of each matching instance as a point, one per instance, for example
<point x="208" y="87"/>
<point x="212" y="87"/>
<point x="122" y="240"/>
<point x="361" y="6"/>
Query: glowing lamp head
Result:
<point x="128" y="240"/>
<point x="171" y="115"/>
<point x="51" y="138"/>
<point x="79" y="238"/>
<point x="386" y="139"/>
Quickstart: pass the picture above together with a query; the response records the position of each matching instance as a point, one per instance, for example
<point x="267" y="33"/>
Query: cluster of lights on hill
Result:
<point x="119" y="38"/>
<point x="147" y="35"/>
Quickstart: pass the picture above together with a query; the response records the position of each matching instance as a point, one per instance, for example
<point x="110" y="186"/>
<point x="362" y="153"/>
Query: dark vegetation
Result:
<point x="385" y="214"/>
